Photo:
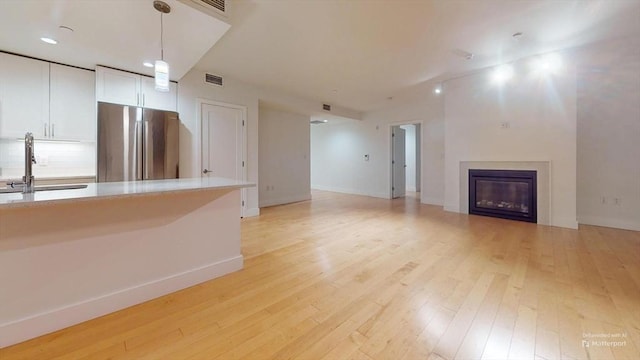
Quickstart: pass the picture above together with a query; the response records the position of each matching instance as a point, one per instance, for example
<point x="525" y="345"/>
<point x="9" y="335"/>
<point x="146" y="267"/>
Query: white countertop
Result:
<point x="120" y="189"/>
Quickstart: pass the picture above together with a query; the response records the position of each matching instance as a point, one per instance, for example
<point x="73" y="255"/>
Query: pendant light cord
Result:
<point x="161" y="38"/>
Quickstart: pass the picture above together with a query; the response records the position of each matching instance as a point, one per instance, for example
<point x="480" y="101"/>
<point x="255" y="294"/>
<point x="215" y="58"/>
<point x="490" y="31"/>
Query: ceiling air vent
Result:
<point x="211" y="7"/>
<point x="217" y="4"/>
<point x="213" y="79"/>
<point x="326" y="107"/>
<point x="317" y="122"/>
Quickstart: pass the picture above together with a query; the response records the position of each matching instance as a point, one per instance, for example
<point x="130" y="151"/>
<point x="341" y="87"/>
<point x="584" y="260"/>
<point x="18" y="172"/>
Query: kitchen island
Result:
<point x="68" y="256"/>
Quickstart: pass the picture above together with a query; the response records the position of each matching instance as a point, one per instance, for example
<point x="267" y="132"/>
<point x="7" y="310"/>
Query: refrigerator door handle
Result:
<point x="138" y="151"/>
<point x="147" y="142"/>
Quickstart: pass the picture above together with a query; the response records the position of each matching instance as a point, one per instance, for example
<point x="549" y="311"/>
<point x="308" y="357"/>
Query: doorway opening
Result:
<point x="405" y="160"/>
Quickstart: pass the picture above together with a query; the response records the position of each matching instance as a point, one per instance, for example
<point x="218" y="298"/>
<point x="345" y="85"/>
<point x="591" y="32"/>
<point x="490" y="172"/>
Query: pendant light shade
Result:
<point x="161" y="66"/>
<point x="162" y="75"/>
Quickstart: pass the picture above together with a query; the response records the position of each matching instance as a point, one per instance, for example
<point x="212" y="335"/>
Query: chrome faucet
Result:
<point x="29" y="160"/>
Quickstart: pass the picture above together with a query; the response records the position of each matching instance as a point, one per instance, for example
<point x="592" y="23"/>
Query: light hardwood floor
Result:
<point x="352" y="277"/>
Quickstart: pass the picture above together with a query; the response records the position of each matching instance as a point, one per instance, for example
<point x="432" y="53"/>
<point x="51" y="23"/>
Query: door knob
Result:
<point x="205" y="171"/>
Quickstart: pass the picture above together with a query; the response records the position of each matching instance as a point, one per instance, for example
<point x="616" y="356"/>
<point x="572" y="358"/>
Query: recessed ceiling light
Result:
<point x="147" y="64"/>
<point x="462" y="53"/>
<point x="49" y="40"/>
<point x="547" y="64"/>
<point x="502" y="73"/>
<point x="65" y="29"/>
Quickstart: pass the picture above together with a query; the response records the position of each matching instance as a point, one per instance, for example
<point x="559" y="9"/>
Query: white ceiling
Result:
<point x="350" y="53"/>
<point x="369" y="50"/>
<point x="117" y="33"/>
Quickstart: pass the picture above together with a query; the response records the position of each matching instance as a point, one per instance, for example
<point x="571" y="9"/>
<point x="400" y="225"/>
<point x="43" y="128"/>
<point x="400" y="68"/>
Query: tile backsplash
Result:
<point x="54" y="159"/>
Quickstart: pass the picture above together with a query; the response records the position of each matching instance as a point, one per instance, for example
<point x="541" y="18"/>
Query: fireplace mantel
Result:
<point x="543" y="187"/>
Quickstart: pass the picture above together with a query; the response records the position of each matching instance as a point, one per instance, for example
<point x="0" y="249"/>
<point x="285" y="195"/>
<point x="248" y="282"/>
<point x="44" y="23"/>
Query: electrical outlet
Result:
<point x="42" y="160"/>
<point x="504" y="125"/>
<point x="616" y="201"/>
<point x="366" y="157"/>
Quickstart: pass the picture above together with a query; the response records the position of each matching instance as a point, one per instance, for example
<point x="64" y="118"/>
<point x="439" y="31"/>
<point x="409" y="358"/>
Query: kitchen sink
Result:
<point x="45" y="188"/>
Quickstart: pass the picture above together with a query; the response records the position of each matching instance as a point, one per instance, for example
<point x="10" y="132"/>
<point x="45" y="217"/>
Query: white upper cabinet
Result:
<point x="73" y="105"/>
<point x="118" y="87"/>
<point x="53" y="102"/>
<point x="24" y="96"/>
<point x="162" y="100"/>
<point x="121" y="87"/>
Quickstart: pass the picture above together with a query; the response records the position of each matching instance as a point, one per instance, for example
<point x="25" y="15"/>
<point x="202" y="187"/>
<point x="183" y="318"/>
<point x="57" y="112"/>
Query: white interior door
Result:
<point x="398" y="162"/>
<point x="223" y="143"/>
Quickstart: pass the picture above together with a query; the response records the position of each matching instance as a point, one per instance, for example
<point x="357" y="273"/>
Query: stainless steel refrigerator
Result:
<point x="137" y="143"/>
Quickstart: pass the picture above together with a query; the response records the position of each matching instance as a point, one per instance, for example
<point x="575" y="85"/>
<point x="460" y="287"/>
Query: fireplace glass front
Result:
<point x="508" y="194"/>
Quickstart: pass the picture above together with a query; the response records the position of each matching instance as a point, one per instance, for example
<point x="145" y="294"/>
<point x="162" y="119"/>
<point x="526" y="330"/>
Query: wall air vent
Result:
<point x="326" y="107"/>
<point x="213" y="79"/>
<point x="210" y="7"/>
<point x="318" y="122"/>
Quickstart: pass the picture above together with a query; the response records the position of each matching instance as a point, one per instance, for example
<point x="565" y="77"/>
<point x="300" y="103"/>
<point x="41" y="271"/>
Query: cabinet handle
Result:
<point x="138" y="99"/>
<point x="53" y="127"/>
<point x="142" y="100"/>
<point x="45" y="130"/>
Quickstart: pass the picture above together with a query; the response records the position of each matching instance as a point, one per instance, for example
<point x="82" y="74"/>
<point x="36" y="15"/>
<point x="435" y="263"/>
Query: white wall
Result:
<point x="418" y="157"/>
<point x="337" y="150"/>
<point x="609" y="134"/>
<point x="192" y="86"/>
<point x="337" y="158"/>
<point x="410" y="156"/>
<point x="284" y="164"/>
<point x="541" y="113"/>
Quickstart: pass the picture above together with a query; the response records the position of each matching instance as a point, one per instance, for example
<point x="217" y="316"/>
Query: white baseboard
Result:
<point x="350" y="191"/>
<point x="285" y="200"/>
<point x="44" y="323"/>
<point x="338" y="190"/>
<point x="432" y="201"/>
<point x="379" y="195"/>
<point x="252" y="212"/>
<point x="452" y="208"/>
<point x="565" y="223"/>
<point x="608" y="222"/>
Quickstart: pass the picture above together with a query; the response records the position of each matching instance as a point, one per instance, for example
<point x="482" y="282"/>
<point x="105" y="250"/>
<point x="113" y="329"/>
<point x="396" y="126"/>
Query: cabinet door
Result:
<point x="160" y="100"/>
<point x="73" y="105"/>
<point x="118" y="87"/>
<point x="24" y="96"/>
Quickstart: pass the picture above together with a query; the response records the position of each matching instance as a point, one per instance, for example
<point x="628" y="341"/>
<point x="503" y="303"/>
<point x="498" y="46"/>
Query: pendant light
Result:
<point x="161" y="67"/>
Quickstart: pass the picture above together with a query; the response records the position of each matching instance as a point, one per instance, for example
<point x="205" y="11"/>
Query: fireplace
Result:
<point x="507" y="194"/>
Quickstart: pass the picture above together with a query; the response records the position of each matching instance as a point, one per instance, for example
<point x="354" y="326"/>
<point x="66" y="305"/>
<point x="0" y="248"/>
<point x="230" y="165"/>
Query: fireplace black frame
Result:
<point x="527" y="176"/>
